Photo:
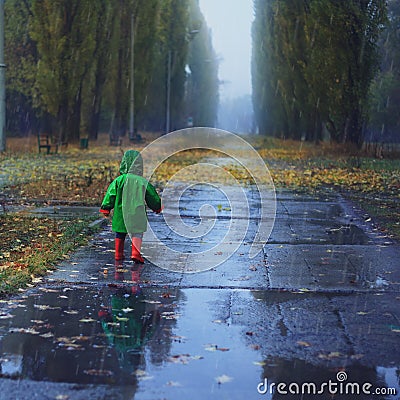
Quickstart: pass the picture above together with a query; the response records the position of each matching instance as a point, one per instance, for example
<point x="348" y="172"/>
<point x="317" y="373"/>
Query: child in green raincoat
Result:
<point x="128" y="195"/>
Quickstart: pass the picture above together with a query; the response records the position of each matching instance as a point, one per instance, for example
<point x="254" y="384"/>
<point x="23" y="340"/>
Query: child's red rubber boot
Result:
<point x="136" y="246"/>
<point x="119" y="249"/>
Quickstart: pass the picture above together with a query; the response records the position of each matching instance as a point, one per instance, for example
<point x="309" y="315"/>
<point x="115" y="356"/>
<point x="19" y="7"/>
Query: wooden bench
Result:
<point x="45" y="142"/>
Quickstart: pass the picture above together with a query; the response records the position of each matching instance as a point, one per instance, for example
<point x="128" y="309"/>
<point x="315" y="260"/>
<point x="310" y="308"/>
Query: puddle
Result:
<point x="84" y="335"/>
<point x="348" y="235"/>
<point x="188" y="343"/>
<point x="64" y="211"/>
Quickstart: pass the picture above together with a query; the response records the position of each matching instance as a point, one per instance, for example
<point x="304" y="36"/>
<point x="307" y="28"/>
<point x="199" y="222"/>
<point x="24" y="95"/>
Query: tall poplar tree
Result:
<point x="313" y="63"/>
<point x="384" y="122"/>
<point x="169" y="72"/>
<point x="63" y="32"/>
<point x="21" y="59"/>
<point x="202" y="81"/>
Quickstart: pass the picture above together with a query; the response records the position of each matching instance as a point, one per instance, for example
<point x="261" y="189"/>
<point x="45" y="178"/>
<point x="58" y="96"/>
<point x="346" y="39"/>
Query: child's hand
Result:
<point x="106" y="213"/>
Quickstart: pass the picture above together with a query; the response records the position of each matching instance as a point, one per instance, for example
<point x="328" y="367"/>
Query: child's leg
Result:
<point x="136" y="246"/>
<point x="119" y="245"/>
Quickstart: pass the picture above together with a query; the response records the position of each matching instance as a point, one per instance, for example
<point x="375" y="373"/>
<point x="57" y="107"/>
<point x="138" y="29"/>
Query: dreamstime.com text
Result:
<point x="331" y="387"/>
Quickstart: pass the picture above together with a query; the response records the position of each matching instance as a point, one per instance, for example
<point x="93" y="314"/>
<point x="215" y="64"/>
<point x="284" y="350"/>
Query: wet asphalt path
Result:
<point x="322" y="298"/>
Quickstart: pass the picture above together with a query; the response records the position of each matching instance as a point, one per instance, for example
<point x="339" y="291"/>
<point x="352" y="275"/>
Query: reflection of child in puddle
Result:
<point x="123" y="274"/>
<point x="127" y="323"/>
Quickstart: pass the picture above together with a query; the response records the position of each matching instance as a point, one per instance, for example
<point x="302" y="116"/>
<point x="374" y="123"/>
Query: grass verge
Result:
<point x="32" y="246"/>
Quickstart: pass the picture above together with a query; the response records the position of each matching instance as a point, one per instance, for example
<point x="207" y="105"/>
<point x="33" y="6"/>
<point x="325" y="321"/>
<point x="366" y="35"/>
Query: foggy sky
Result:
<point x="230" y="22"/>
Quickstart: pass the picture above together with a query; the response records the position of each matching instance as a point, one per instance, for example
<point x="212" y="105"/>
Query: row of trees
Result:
<point x="314" y="64"/>
<point x="68" y="65"/>
<point x="384" y="121"/>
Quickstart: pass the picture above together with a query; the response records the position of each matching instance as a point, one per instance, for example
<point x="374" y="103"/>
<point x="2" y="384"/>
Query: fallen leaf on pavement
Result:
<point x="302" y="343"/>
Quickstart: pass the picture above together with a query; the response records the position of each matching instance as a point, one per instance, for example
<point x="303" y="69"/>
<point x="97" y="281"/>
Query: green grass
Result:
<point x="35" y="246"/>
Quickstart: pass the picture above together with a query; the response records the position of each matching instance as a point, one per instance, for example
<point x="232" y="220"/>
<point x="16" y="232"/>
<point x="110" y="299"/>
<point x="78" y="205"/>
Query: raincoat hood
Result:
<point x="132" y="162"/>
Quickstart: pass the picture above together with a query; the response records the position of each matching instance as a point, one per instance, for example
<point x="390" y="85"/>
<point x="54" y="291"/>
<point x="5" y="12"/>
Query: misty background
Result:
<point x="230" y="24"/>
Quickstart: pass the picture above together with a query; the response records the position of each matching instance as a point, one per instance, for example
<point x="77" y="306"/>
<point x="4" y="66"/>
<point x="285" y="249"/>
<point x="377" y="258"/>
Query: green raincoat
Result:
<point x="128" y="195"/>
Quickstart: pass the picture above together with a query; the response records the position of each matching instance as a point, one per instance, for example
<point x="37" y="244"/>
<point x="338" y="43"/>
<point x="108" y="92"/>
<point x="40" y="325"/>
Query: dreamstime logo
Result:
<point x="208" y="177"/>
<point x="341" y="376"/>
<point x="338" y="387"/>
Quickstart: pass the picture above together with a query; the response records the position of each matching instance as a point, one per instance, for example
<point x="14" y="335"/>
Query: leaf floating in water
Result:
<point x="45" y="307"/>
<point x="23" y="330"/>
<point x="180" y="359"/>
<point x="223" y="379"/>
<point x="69" y="344"/>
<point x="142" y="375"/>
<point x="210" y="347"/>
<point x="47" y="335"/>
<point x="177" y="338"/>
<point x="169" y="315"/>
<point x="151" y="301"/>
<point x="173" y="384"/>
<point x="6" y="316"/>
<point x="183" y="358"/>
<point x="214" y="347"/>
<point x="81" y="338"/>
<point x="87" y="320"/>
<point x="98" y="372"/>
